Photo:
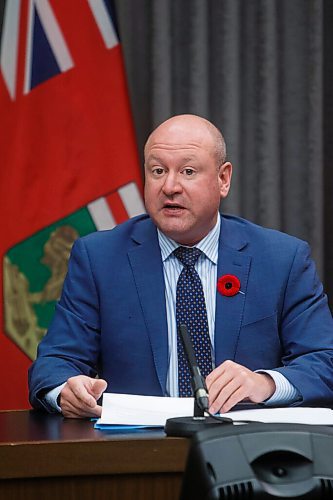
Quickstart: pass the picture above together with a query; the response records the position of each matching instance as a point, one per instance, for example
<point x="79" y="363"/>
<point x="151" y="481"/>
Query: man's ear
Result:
<point x="225" y="174"/>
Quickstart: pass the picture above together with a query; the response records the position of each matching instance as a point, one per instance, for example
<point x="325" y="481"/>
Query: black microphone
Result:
<point x="187" y="426"/>
<point x="197" y="381"/>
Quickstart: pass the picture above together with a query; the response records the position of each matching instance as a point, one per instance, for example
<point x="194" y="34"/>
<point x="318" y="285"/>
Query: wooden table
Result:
<point x="48" y="457"/>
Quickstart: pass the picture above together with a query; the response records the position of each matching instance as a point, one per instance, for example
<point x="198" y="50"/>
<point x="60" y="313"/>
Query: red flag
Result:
<point x="69" y="161"/>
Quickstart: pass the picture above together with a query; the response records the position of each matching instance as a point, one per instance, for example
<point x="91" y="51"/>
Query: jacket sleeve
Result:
<point x="306" y="332"/>
<point x="71" y="345"/>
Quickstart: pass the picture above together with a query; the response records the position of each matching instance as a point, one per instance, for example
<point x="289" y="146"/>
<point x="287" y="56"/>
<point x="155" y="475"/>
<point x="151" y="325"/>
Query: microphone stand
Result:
<point x="187" y="426"/>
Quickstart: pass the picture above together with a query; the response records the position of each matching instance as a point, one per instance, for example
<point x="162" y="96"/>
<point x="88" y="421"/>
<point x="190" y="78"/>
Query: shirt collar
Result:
<point x="208" y="245"/>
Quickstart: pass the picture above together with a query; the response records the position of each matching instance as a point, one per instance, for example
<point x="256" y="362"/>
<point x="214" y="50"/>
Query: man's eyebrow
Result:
<point x="189" y="158"/>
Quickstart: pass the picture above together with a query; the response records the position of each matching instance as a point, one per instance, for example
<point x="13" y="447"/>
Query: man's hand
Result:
<point x="79" y="395"/>
<point x="230" y="383"/>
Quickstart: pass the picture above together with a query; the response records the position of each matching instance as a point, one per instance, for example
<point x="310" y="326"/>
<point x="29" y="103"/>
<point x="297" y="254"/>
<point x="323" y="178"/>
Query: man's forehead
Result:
<point x="190" y="143"/>
<point x="184" y="154"/>
<point x="179" y="132"/>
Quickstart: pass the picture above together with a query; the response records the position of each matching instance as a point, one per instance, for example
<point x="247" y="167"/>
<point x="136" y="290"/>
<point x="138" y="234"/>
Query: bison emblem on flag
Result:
<point x="34" y="270"/>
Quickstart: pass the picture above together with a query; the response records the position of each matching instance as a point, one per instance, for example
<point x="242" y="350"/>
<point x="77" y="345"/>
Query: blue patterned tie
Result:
<point x="191" y="310"/>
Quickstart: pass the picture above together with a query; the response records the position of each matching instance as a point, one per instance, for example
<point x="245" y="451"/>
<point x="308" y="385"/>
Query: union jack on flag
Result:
<point x="47" y="52"/>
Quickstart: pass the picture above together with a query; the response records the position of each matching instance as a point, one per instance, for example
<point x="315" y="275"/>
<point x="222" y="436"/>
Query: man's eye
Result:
<point x="188" y="171"/>
<point x="158" y="171"/>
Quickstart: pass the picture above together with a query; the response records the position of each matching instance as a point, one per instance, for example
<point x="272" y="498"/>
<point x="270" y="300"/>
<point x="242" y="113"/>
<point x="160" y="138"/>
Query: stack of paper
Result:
<point x="148" y="411"/>
<point x="151" y="411"/>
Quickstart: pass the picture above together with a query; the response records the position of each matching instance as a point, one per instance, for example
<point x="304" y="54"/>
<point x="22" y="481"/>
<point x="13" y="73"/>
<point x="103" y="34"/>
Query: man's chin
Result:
<point x="172" y="229"/>
<point x="179" y="233"/>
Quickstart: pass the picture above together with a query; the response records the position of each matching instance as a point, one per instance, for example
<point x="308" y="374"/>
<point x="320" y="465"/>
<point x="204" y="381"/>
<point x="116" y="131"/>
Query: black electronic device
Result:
<point x="260" y="461"/>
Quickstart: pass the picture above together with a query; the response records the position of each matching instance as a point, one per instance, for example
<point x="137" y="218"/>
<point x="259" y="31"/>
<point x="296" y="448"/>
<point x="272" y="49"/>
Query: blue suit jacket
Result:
<point x="111" y="318"/>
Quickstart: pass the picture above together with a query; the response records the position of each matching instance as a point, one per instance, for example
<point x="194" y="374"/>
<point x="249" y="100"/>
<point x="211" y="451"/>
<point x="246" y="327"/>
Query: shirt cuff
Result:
<point x="51" y="397"/>
<point x="285" y="393"/>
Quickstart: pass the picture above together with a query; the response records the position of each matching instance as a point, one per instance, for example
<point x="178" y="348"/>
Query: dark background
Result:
<point x="328" y="147"/>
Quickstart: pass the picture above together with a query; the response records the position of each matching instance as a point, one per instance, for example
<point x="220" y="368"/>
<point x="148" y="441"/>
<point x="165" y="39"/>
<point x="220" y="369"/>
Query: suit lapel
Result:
<point x="229" y="310"/>
<point x="146" y="263"/>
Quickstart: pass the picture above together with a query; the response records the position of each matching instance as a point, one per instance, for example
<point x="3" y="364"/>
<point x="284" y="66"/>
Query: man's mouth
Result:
<point x="172" y="208"/>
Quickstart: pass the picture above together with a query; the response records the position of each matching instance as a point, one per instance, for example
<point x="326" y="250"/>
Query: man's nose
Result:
<point x="172" y="184"/>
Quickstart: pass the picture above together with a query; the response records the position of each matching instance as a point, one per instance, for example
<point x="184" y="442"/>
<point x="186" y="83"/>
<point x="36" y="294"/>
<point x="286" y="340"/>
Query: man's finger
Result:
<point x="234" y="398"/>
<point x="80" y="391"/>
<point x="98" y="386"/>
<point x="223" y="395"/>
<point x="70" y="410"/>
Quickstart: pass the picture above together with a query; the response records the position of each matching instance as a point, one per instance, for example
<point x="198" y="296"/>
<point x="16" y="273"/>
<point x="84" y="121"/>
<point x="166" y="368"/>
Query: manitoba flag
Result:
<point x="68" y="159"/>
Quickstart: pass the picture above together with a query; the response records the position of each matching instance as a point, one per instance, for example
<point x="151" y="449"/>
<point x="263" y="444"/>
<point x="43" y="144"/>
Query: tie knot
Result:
<point x="187" y="256"/>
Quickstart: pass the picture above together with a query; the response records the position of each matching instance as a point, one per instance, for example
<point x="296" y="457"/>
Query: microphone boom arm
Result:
<point x="197" y="381"/>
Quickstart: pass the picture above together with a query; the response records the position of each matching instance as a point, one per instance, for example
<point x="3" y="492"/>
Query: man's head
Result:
<point x="186" y="176"/>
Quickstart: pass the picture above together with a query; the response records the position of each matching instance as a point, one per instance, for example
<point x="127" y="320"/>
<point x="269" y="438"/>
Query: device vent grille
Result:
<point x="326" y="487"/>
<point x="238" y="491"/>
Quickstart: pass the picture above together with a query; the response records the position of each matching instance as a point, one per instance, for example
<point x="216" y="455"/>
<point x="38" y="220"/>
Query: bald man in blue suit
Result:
<point x="115" y="319"/>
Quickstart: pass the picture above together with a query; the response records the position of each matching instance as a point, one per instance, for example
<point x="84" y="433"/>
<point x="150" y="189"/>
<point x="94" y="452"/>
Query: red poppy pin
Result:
<point x="228" y="285"/>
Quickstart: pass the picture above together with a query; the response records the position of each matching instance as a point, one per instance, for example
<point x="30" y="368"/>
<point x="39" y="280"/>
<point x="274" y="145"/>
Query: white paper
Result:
<point x="294" y="415"/>
<point x="129" y="409"/>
